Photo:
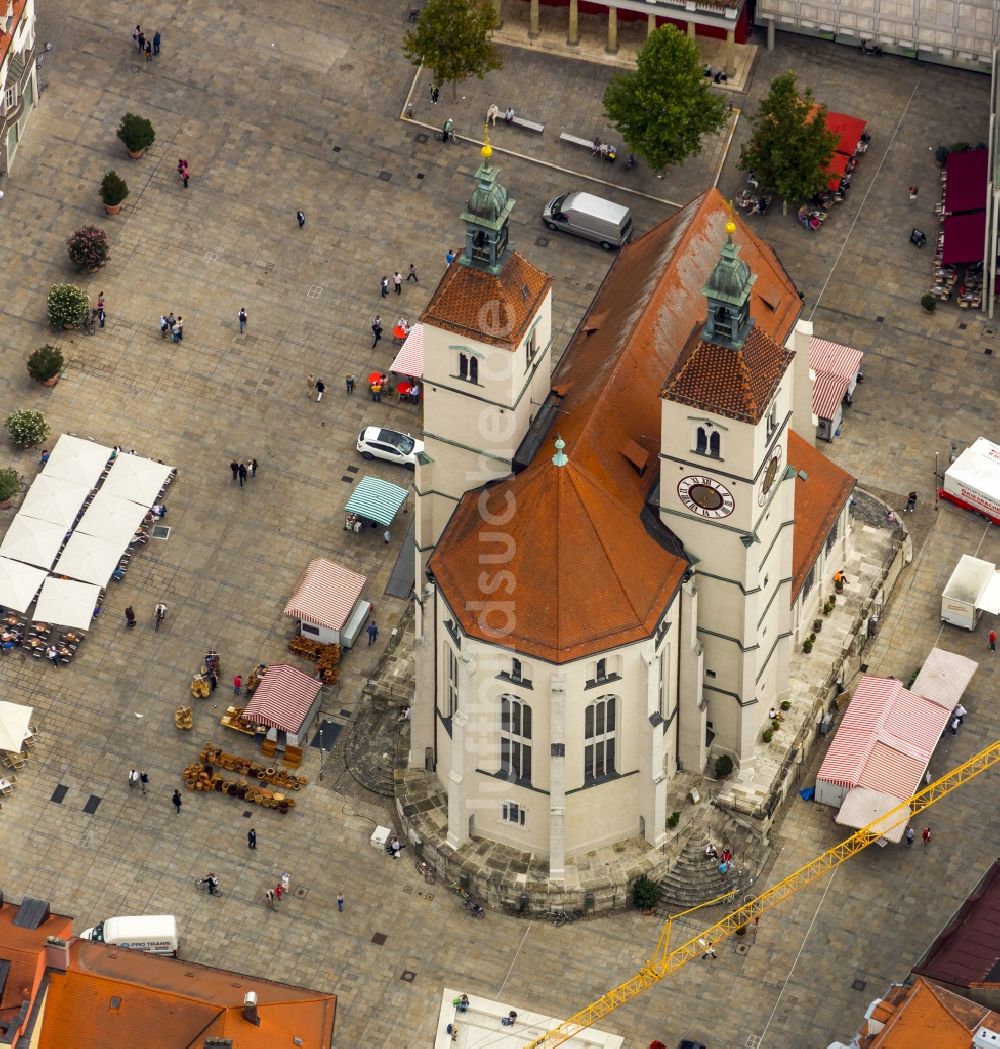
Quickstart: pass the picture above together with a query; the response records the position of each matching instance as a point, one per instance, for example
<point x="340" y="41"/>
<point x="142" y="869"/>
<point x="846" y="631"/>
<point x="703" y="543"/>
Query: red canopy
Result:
<point x="850" y="130"/>
<point x="836" y="168"/>
<point x="965" y="189"/>
<point x="963" y="238"/>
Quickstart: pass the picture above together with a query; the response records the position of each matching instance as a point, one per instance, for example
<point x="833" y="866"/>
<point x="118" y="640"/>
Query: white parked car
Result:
<point x="391" y="445"/>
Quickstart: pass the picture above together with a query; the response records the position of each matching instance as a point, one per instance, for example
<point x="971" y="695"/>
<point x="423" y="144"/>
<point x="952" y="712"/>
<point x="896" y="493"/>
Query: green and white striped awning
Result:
<point x="376" y="500"/>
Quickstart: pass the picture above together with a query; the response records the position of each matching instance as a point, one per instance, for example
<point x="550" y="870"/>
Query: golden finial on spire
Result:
<point x="487" y="151"/>
<point x="730" y="225"/>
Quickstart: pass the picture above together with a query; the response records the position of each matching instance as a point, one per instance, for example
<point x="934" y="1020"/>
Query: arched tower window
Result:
<point x="515" y="739"/>
<point x="600" y="740"/>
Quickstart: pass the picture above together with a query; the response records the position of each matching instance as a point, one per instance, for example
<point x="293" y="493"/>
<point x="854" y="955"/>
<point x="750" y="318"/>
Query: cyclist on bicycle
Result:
<point x="161" y="612"/>
<point x="211" y="882"/>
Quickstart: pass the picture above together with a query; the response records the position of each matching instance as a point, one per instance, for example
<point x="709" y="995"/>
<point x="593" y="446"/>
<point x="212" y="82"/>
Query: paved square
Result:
<point x="298" y="107"/>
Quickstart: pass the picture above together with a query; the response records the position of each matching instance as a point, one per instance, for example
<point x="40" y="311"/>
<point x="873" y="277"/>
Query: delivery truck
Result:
<point x="156" y="933"/>
<point x="973" y="480"/>
<point x="974" y="587"/>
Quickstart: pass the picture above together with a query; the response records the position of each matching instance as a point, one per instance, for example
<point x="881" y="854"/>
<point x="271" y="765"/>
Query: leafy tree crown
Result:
<point x="451" y="38"/>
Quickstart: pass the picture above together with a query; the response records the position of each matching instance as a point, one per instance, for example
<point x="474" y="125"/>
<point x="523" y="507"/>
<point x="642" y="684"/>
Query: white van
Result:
<point x="595" y="218"/>
<point x="156" y="933"/>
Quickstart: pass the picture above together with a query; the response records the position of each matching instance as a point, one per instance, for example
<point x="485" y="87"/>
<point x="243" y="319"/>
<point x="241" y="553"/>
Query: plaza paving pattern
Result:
<point x="299" y="108"/>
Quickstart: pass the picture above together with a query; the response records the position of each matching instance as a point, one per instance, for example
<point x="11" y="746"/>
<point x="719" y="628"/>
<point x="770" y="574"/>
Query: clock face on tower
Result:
<point x="706" y="497"/>
<point x="770" y="475"/>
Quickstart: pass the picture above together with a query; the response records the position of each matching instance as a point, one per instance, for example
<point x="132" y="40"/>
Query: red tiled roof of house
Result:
<point x="609" y="381"/>
<point x="923" y="1015"/>
<point x="111" y="996"/>
<point x="819" y="500"/>
<point x="6" y="39"/>
<point x="492" y="309"/>
<point x="24" y="951"/>
<point x="739" y="383"/>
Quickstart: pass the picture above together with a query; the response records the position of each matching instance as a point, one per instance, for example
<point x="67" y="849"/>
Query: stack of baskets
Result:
<point x="326" y="657"/>
<point x="204" y="777"/>
<point x="211" y="755"/>
<point x="184" y="717"/>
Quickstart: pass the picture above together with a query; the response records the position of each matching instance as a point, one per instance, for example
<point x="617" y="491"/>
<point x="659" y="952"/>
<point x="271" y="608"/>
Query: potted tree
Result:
<point x="114" y="191"/>
<point x="723" y="766"/>
<point x="26" y="427"/>
<point x="137" y="134"/>
<point x="45" y="364"/>
<point x="88" y="248"/>
<point x="67" y="305"/>
<point x="10" y="483"/>
<point x="928" y="302"/>
<point x="646" y="894"/>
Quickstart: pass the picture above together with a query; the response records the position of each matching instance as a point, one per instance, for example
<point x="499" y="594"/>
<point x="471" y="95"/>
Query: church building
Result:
<point x="615" y="557"/>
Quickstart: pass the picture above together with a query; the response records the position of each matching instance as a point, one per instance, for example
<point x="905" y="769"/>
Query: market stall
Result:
<point x="944" y="677"/>
<point x="375" y="501"/>
<point x="972" y="481"/>
<point x="33" y="542"/>
<point x="327" y="602"/>
<point x="15" y="725"/>
<point x="974" y="587"/>
<point x="286" y="702"/>
<point x="90" y="558"/>
<point x="112" y="518"/>
<point x="137" y="478"/>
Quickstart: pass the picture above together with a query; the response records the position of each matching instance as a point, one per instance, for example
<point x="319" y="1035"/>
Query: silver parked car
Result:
<point x="391" y="445"/>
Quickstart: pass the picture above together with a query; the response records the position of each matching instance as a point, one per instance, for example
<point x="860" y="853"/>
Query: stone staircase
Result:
<point x="694" y="879"/>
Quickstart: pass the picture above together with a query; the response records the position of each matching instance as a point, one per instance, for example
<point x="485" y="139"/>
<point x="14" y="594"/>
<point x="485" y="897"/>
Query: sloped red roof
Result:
<point x="491" y="309"/>
<point x="819" y="500"/>
<point x="739" y="383"/>
<point x="923" y="1016"/>
<point x="6" y="39"/>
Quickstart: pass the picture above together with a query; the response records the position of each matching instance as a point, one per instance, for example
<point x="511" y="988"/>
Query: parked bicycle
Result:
<point x="475" y="908"/>
<point x="210" y="883"/>
<point x="427" y="871"/>
<point x="89" y="323"/>
<point x="561" y="918"/>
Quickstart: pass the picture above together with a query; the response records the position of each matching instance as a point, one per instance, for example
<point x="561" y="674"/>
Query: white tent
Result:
<point x="15" y="724"/>
<point x="19" y="584"/>
<point x="137" y="478"/>
<point x="78" y="460"/>
<point x="89" y="558"/>
<point x="111" y="518"/>
<point x="33" y="542"/>
<point x="54" y="499"/>
<point x="67" y="602"/>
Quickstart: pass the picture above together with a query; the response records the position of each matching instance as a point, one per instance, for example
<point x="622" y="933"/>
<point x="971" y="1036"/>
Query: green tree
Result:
<point x="664" y="107"/>
<point x="790" y="145"/>
<point x="452" y="39"/>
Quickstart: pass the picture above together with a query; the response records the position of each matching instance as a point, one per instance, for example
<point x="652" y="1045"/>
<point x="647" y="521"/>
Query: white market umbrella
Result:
<point x="137" y="478"/>
<point x="89" y="558"/>
<point x="78" y="460"/>
<point x="15" y="724"/>
<point x="54" y="499"/>
<point x="67" y="602"/>
<point x="33" y="542"/>
<point x="111" y="518"/>
<point x="19" y="584"/>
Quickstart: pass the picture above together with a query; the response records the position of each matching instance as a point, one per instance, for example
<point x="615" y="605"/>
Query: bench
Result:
<point x="575" y="140"/>
<point x="525" y="124"/>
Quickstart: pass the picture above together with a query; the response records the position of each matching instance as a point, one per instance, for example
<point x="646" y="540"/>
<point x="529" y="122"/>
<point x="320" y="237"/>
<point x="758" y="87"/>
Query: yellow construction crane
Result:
<point x="665" y="962"/>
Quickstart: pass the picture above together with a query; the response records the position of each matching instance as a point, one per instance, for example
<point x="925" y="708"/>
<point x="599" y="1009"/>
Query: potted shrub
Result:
<point x="767" y="735"/>
<point x="785" y="704"/>
<point x="10" y="484"/>
<point x="137" y="134"/>
<point x="88" y="248"/>
<point x="723" y="766"/>
<point x="817" y="626"/>
<point x="807" y="646"/>
<point x="68" y="305"/>
<point x="645" y="894"/>
<point x="114" y="191"/>
<point x="928" y="302"/>
<point x="26" y="427"/>
<point x="673" y="819"/>
<point x="45" y="364"/>
<point x="827" y="609"/>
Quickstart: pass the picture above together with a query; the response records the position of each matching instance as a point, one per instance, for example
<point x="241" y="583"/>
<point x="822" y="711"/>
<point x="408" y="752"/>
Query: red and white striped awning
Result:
<point x="886" y="739"/>
<point x="828" y="394"/>
<point x="410" y="359"/>
<point x="832" y="357"/>
<point x="283" y="698"/>
<point x="325" y="594"/>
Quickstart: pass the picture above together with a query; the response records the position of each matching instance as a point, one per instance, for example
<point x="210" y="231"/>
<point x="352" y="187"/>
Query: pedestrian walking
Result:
<point x="340" y="902"/>
<point x="311" y="383"/>
<point x="102" y="315"/>
<point x="156" y="42"/>
<point x="182" y="171"/>
<point x="271" y="898"/>
<point x="372" y="632"/>
<point x="384" y="285"/>
<point x="140" y="40"/>
<point x="913" y="191"/>
<point x="177" y="332"/>
<point x="435" y="91"/>
<point x="149" y="51"/>
<point x="412" y="275"/>
<point x="237" y="685"/>
<point x="235" y="467"/>
<point x="251" y="839"/>
<point x="959" y="712"/>
<point x="708" y="948"/>
<point x="349" y="383"/>
<point x="450" y="256"/>
<point x="376" y="330"/>
<point x="909" y="837"/>
<point x="242" y="318"/>
<point x="135" y="35"/>
<point x="144" y="781"/>
<point x="911" y="503"/>
<point x="176" y="799"/>
<point x="213" y="680"/>
<point x="387" y="535"/>
<point x="320" y="390"/>
<point x="133" y="779"/>
<point x="52" y="655"/>
<point x="279" y="892"/>
<point x="129" y="616"/>
<point x="242" y="473"/>
<point x="397" y="282"/>
<point x="955" y="722"/>
<point x="285" y="882"/>
<point x="300" y="217"/>
<point x="992" y="641"/>
<point x="926" y="835"/>
<point x="253" y="467"/>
